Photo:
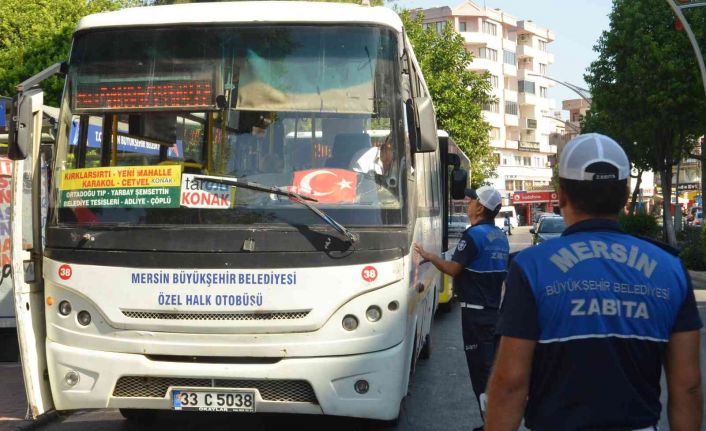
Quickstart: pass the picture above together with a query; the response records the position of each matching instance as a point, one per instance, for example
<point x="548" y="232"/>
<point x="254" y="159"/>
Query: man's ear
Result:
<point x="563" y="199"/>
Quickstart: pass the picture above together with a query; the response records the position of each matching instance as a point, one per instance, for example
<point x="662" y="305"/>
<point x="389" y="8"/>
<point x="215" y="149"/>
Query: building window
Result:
<point x="518" y="185"/>
<point x="509" y="185"/>
<point x="543" y="45"/>
<point x="518" y="162"/>
<point x="440" y="26"/>
<point x="462" y="26"/>
<point x="488" y="54"/>
<point x="495" y="134"/>
<point x="491" y="107"/>
<point x="526" y="161"/>
<point x="509" y="57"/>
<point x="494" y="81"/>
<point x="543" y="92"/>
<point x="496" y="156"/>
<point x="525" y="87"/>
<point x="490" y="28"/>
<point x="511" y="108"/>
<point x="537" y="162"/>
<point x="542" y="69"/>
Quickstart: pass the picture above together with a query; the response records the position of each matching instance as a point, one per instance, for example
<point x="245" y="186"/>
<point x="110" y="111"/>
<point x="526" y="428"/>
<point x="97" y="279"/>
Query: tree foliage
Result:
<point x="36" y="34"/>
<point x="457" y="92"/>
<point x="164" y="2"/>
<point x="646" y="89"/>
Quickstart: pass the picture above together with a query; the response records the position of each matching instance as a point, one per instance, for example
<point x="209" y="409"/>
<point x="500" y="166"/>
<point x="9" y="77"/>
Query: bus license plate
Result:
<point x="213" y="400"/>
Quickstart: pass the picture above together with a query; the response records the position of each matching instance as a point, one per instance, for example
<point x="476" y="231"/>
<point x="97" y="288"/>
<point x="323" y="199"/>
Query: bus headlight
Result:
<point x="373" y="313"/>
<point x="350" y="322"/>
<point x="64" y="308"/>
<point x="84" y="318"/>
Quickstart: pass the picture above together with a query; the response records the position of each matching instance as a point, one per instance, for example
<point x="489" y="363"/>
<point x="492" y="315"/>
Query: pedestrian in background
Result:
<point x="589" y="319"/>
<point x="478" y="266"/>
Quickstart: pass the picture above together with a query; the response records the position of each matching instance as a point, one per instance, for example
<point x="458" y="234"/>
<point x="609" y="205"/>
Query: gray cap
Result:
<point x="593" y="157"/>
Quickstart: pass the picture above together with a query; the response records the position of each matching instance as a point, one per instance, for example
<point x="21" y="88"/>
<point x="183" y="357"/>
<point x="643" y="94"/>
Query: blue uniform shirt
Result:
<point x="602" y="306"/>
<point x="482" y="250"/>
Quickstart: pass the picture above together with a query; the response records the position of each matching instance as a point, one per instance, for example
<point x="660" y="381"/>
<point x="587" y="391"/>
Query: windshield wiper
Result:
<point x="296" y="197"/>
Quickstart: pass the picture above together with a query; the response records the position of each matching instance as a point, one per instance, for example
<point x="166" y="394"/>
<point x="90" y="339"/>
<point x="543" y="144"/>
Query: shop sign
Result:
<point x="532" y="197"/>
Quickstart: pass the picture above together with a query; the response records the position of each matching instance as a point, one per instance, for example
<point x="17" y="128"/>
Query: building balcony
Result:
<point x="509" y="70"/>
<point x="512" y="145"/>
<point x="527" y="99"/>
<point x="479" y="38"/>
<point x="493" y="118"/>
<point x="527" y="51"/>
<point x="526" y="74"/>
<point x="512" y="120"/>
<point x="510" y="95"/>
<point x="509" y="45"/>
<point x="483" y="64"/>
<point x="529" y="146"/>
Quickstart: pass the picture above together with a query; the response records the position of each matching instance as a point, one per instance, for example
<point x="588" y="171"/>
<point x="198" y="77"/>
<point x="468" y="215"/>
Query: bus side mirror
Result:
<point x="25" y="123"/>
<point x="421" y="123"/>
<point x="459" y="182"/>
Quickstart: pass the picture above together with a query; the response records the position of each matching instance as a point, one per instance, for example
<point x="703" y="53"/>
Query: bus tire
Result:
<point x="139" y="416"/>
<point x="425" y="353"/>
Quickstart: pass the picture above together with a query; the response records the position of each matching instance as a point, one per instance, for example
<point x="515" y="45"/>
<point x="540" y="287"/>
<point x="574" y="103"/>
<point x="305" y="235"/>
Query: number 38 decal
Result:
<point x="369" y="273"/>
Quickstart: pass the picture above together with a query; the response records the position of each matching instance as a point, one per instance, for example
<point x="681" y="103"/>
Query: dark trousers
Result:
<point x="479" y="346"/>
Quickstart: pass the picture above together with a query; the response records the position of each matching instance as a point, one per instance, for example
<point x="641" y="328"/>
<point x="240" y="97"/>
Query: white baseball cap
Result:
<point x="487" y="196"/>
<point x="593" y="157"/>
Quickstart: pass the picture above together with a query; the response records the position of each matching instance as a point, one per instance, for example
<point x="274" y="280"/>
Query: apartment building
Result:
<point x="578" y="108"/>
<point x="516" y="54"/>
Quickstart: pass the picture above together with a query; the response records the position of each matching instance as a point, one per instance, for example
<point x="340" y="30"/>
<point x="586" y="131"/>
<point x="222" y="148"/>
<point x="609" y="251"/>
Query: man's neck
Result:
<point x="573" y="216"/>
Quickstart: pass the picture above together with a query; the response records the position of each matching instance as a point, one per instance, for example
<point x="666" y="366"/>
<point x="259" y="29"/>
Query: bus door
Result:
<point x="29" y="185"/>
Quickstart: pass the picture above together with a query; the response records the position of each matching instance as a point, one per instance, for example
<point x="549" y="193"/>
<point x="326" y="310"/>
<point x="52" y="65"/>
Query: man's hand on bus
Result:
<point x="446" y="266"/>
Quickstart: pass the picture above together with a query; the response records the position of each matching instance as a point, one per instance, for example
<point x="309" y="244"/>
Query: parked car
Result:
<point x="538" y="216"/>
<point x="548" y="227"/>
<point x="458" y="223"/>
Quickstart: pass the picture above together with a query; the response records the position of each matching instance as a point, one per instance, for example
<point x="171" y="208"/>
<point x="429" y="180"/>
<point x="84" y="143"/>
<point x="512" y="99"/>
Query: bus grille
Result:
<point x="291" y="315"/>
<point x="270" y="390"/>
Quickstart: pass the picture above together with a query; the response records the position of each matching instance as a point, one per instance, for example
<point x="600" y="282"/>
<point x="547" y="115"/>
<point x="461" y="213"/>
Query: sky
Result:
<point x="577" y="25"/>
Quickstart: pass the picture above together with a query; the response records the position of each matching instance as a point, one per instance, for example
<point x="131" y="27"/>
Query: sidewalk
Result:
<point x="13" y="401"/>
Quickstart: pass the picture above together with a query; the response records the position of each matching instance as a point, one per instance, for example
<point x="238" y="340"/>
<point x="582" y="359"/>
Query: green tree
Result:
<point x="164" y="2"/>
<point x="457" y="92"/>
<point x="35" y="34"/>
<point x="647" y="90"/>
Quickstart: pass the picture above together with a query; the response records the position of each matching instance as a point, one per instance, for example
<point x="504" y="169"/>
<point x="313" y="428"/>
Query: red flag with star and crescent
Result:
<point x="326" y="185"/>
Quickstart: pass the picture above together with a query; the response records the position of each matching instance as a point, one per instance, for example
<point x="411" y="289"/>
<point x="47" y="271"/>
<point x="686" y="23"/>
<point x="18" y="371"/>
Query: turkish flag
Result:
<point x="326" y="185"/>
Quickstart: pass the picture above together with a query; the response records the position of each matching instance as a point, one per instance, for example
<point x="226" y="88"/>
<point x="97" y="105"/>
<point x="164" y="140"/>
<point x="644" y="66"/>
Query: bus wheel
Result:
<point x="139" y="416"/>
<point x="425" y="353"/>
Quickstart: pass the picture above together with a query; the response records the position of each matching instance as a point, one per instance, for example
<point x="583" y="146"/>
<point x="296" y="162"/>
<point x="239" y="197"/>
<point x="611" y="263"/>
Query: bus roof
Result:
<point x="294" y="12"/>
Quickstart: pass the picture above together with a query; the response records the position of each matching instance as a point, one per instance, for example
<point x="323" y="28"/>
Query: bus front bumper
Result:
<point x="321" y="385"/>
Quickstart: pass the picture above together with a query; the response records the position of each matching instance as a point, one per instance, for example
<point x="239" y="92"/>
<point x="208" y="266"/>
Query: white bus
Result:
<point x="190" y="260"/>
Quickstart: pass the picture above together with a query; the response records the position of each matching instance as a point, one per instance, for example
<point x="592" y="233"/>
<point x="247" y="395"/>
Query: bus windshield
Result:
<point x="151" y="115"/>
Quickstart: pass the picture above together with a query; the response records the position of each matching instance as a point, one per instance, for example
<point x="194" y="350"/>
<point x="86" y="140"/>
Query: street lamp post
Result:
<point x="694" y="44"/>
<point x="582" y="92"/>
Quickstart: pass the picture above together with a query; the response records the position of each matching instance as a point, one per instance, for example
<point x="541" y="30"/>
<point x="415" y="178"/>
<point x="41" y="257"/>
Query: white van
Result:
<point x="500" y="218"/>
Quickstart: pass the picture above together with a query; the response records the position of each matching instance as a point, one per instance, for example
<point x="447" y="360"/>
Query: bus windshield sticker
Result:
<point x="199" y="193"/>
<point x="121" y="187"/>
<point x="326" y="185"/>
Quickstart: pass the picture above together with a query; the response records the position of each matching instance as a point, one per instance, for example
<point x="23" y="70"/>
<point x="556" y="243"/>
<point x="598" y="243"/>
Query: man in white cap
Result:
<point x="589" y="319"/>
<point x="478" y="266"/>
